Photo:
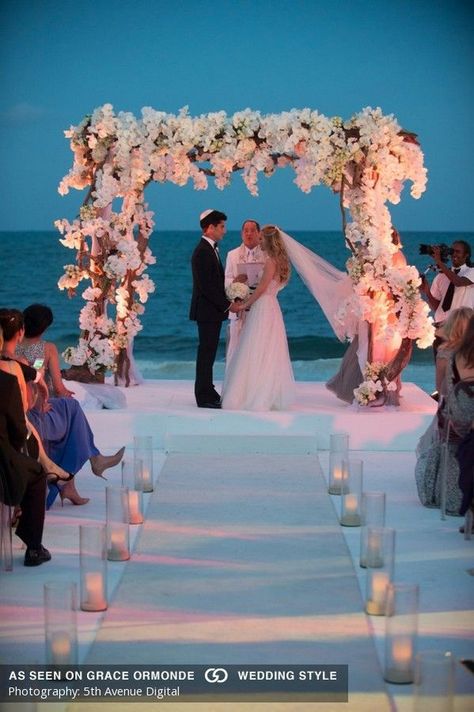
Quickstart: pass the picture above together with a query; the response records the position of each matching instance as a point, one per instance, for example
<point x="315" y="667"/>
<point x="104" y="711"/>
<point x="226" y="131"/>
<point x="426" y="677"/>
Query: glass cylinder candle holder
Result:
<point x="401" y="627"/>
<point x="351" y="493"/>
<point x="143" y="450"/>
<point x="434" y="682"/>
<point x="6" y="544"/>
<point x="372" y="513"/>
<point x="338" y="451"/>
<point x="380" y="566"/>
<point x="60" y="626"/>
<point x="93" y="567"/>
<point x="135" y="490"/>
<point x="116" y="500"/>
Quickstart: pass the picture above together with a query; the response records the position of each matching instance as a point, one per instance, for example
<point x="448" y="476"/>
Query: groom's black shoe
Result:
<point x="214" y="404"/>
<point x="36" y="557"/>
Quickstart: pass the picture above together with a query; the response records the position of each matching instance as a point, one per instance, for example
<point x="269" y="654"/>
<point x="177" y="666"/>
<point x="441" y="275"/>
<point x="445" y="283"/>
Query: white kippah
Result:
<point x="206" y="213"/>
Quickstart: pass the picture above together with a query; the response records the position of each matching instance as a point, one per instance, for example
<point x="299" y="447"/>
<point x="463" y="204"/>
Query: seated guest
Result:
<point x="462" y="409"/>
<point x="22" y="477"/>
<point x="34" y="446"/>
<point x="438" y="448"/>
<point x="61" y="424"/>
<point x="451" y="333"/>
<point x="37" y="318"/>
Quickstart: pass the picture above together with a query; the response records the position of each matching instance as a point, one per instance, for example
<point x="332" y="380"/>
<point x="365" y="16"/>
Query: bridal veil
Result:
<point x="328" y="285"/>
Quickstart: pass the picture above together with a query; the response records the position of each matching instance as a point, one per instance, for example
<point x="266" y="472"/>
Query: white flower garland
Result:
<point x="368" y="158"/>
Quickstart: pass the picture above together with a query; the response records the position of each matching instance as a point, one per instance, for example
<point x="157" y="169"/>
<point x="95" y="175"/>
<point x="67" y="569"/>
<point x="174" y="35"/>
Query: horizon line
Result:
<point x="237" y="229"/>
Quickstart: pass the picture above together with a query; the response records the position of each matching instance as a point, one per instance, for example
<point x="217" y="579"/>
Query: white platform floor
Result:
<point x="177" y="425"/>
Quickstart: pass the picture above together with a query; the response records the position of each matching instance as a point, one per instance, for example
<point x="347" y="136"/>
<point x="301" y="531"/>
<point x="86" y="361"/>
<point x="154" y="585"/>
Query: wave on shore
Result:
<point x="317" y="370"/>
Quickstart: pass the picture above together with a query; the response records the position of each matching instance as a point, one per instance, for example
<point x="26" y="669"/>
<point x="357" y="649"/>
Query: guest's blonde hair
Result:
<point x="454" y="328"/>
<point x="466" y="347"/>
<point x="276" y="249"/>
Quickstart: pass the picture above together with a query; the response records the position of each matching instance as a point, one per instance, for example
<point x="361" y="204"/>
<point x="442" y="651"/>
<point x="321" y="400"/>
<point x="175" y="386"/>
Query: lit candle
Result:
<point x="118" y="545"/>
<point x="134" y="509"/>
<point x="374" y="553"/>
<point x="400" y="668"/>
<point x="350" y="511"/>
<point x="147" y="479"/>
<point x="402" y="652"/>
<point x="335" y="478"/>
<point x="95" y="592"/>
<point x="376" y="596"/>
<point x="61" y="648"/>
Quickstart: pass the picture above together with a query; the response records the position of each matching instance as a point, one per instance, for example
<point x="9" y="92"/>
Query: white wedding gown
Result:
<point x="259" y="375"/>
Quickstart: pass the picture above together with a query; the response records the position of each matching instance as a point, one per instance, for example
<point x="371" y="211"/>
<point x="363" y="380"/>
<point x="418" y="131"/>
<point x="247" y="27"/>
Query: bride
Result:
<point x="259" y="375"/>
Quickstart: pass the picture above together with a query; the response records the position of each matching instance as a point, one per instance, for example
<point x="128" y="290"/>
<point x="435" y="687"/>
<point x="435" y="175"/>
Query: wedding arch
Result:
<point x="366" y="160"/>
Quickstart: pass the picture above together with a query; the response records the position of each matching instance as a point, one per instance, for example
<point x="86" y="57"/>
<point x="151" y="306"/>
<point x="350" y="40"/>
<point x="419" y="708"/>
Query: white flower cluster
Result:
<point x="368" y="391"/>
<point x="385" y="290"/>
<point x="143" y="287"/>
<point x="237" y="290"/>
<point x="117" y="263"/>
<point x="373" y="384"/>
<point x="119" y="153"/>
<point x="71" y="277"/>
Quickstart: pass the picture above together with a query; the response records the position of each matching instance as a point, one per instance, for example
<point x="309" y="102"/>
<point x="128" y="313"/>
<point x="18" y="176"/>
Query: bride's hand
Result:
<point x="242" y="306"/>
<point x="242" y="278"/>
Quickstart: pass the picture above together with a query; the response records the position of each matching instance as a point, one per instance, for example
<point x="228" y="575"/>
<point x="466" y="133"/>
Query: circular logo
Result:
<point x="218" y="675"/>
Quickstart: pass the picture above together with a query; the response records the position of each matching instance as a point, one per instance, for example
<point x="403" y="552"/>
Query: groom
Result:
<point x="209" y="304"/>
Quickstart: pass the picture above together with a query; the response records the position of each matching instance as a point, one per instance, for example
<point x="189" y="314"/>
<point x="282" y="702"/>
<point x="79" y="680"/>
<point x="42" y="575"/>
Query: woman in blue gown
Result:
<point x="60" y="422"/>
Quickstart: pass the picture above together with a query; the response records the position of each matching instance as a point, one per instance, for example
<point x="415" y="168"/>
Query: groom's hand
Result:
<point x="241" y="278"/>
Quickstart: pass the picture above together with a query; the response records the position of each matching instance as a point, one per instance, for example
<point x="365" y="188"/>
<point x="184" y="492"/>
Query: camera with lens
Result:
<point x="445" y="251"/>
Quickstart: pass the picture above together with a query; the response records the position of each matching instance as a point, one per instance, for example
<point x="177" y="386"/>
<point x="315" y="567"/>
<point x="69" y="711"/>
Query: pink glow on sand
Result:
<point x="250" y="533"/>
<point x="186" y="561"/>
<point x="166" y="625"/>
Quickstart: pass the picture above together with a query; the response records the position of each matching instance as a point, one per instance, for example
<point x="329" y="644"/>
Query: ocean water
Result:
<point x="32" y="262"/>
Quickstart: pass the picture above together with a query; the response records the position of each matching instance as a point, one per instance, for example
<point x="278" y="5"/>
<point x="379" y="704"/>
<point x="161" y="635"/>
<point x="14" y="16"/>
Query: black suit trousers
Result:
<point x="209" y="333"/>
<point x="30" y="527"/>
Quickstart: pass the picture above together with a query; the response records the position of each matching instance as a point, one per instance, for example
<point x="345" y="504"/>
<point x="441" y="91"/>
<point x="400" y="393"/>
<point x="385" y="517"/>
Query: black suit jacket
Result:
<point x="209" y="302"/>
<point x="15" y="468"/>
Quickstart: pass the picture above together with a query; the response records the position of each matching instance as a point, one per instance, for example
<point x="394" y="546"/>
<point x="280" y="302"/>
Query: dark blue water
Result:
<point x="32" y="262"/>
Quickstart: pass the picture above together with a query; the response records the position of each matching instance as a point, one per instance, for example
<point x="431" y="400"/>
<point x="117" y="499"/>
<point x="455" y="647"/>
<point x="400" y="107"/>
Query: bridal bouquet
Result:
<point x="237" y="291"/>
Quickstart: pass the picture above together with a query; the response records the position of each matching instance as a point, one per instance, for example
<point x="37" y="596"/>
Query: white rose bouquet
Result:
<point x="237" y="291"/>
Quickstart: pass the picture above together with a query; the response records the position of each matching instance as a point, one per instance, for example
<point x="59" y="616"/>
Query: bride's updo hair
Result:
<point x="275" y="248"/>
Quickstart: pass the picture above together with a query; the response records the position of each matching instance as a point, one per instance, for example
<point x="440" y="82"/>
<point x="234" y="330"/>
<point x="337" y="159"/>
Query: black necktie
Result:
<point x="216" y="250"/>
<point x="448" y="297"/>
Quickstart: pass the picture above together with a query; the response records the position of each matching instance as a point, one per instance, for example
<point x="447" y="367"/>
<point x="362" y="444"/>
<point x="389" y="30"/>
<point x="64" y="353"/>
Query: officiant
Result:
<point x="244" y="264"/>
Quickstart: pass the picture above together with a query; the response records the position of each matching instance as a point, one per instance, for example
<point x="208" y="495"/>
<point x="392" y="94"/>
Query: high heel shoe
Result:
<point x="53" y="478"/>
<point x="69" y="491"/>
<point x="100" y="462"/>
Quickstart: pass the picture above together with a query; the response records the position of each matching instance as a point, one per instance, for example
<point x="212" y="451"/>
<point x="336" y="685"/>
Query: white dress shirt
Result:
<point x="463" y="296"/>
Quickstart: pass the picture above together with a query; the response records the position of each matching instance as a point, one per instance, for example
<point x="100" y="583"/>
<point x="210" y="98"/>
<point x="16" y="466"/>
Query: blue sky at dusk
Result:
<point x="62" y="58"/>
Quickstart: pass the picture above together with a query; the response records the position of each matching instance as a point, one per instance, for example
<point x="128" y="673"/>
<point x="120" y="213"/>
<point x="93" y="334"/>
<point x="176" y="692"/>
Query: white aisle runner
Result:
<point x="241" y="560"/>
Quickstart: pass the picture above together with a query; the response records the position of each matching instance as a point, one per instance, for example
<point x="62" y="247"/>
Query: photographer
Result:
<point x="451" y="288"/>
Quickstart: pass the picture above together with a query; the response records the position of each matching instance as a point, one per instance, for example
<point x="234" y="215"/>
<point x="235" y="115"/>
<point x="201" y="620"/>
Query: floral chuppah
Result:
<point x="366" y="159"/>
